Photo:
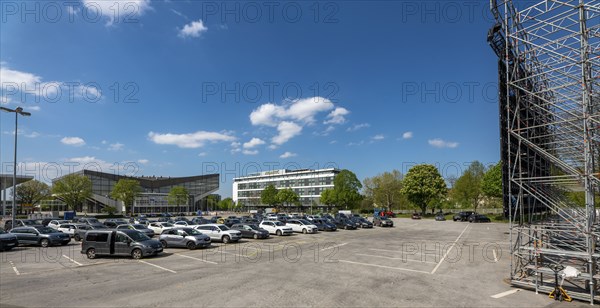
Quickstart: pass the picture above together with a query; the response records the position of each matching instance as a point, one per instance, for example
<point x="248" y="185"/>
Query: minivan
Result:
<point x="119" y="243"/>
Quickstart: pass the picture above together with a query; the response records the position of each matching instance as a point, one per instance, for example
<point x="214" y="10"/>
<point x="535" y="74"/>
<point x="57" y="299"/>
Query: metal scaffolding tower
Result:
<point x="549" y="81"/>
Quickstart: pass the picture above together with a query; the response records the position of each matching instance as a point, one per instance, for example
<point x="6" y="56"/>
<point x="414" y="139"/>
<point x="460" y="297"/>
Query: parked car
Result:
<point x="462" y="216"/>
<point x="184" y="237"/>
<point x="88" y="220"/>
<point x="479" y="218"/>
<point x="70" y="228"/>
<point x="54" y="224"/>
<point x="141" y="228"/>
<point x="184" y="224"/>
<point x="8" y="241"/>
<point x="232" y="221"/>
<point x="113" y="224"/>
<point x="363" y="222"/>
<point x="123" y="242"/>
<point x="323" y="224"/>
<point x="83" y="228"/>
<point x="302" y="225"/>
<point x="182" y="218"/>
<point x="276" y="227"/>
<point x="141" y="221"/>
<point x="200" y="221"/>
<point x="416" y="216"/>
<point x="215" y="218"/>
<point x="440" y="216"/>
<point x="42" y="236"/>
<point x="47" y="220"/>
<point x="249" y="220"/>
<point x="159" y="227"/>
<point x="220" y="232"/>
<point x="21" y="223"/>
<point x="251" y="231"/>
<point x="344" y="223"/>
<point x="382" y="221"/>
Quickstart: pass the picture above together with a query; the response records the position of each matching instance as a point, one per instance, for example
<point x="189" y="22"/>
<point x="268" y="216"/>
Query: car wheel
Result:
<point x="91" y="253"/>
<point x="225" y="239"/>
<point x="136" y="254"/>
<point x="278" y="232"/>
<point x="44" y="243"/>
<point x="163" y="243"/>
<point x="255" y="236"/>
<point x="77" y="237"/>
<point x="304" y="231"/>
<point x="191" y="245"/>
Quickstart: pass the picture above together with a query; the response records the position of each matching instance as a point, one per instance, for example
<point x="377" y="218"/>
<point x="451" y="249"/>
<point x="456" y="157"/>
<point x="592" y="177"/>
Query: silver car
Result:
<point x="184" y="237"/>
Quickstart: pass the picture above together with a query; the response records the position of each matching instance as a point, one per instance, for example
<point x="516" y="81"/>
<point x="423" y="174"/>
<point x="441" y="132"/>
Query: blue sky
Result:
<point x="178" y="88"/>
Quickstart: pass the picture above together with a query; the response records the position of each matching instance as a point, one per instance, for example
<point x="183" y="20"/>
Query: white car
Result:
<point x="159" y="227"/>
<point x="311" y="217"/>
<point x="220" y="232"/>
<point x="55" y="223"/>
<point x="302" y="225"/>
<point x="184" y="224"/>
<point x="276" y="227"/>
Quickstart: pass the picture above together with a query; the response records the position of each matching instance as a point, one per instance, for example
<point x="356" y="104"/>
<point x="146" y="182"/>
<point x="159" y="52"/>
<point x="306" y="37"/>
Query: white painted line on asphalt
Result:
<point x="495" y="255"/>
<point x="78" y="264"/>
<point x="383" y="266"/>
<point x="448" y="251"/>
<point x="390" y="258"/>
<point x="194" y="258"/>
<point x="503" y="294"/>
<point x="334" y="246"/>
<point x="158" y="266"/>
<point x="14" y="268"/>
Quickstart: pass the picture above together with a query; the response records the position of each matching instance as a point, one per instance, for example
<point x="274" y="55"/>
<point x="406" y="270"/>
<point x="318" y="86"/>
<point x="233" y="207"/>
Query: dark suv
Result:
<point x="462" y="216"/>
<point x="43" y="236"/>
<point x="382" y="221"/>
<point x="21" y="223"/>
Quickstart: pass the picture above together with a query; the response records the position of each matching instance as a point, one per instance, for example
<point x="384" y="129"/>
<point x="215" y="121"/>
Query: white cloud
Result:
<point x="302" y="110"/>
<point x="407" y="135"/>
<point x="333" y="142"/>
<point x="235" y="147"/>
<point x="267" y="114"/>
<point x="356" y="143"/>
<point x="287" y="130"/>
<point x="439" y="143"/>
<point x="193" y="29"/>
<point x="189" y="141"/>
<point x="287" y="155"/>
<point x="202" y="154"/>
<point x="337" y="116"/>
<point x="250" y="152"/>
<point x="273" y="147"/>
<point x="357" y="127"/>
<point x="117" y="11"/>
<point x="115" y="146"/>
<point x="143" y="161"/>
<point x="254" y="142"/>
<point x="104" y="142"/>
<point x="33" y="108"/>
<point x="32" y="135"/>
<point x="18" y="81"/>
<point x="74" y="141"/>
<point x="378" y="137"/>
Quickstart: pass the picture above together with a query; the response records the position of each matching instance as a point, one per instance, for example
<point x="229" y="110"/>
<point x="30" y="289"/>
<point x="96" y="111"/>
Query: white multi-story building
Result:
<point x="307" y="183"/>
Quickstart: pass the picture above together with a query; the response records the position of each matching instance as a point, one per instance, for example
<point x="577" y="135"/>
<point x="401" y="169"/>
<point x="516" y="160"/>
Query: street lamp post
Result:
<point x="18" y="111"/>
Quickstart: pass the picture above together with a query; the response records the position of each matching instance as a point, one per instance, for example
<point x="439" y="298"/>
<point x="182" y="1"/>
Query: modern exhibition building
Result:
<point x="153" y="197"/>
<point x="307" y="183"/>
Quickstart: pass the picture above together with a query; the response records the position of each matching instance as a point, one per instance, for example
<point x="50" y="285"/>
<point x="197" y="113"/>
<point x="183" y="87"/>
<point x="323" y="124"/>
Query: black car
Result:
<point x="114" y="223"/>
<point x="232" y="221"/>
<point x="479" y="218"/>
<point x="323" y="224"/>
<point x="250" y="231"/>
<point x="7" y="241"/>
<point x="200" y="221"/>
<point x="363" y="222"/>
<point x="462" y="216"/>
<point x="440" y="217"/>
<point x="346" y="224"/>
<point x="43" y="236"/>
<point x="382" y="221"/>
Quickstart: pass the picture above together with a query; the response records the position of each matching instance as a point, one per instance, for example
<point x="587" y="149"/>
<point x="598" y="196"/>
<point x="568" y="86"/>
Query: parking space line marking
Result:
<point x="495" y="256"/>
<point x="158" y="266"/>
<point x="390" y="258"/>
<point x="383" y="266"/>
<point x="448" y="251"/>
<point x="78" y="264"/>
<point x="14" y="268"/>
<point x="334" y="246"/>
<point x="503" y="294"/>
<point x="190" y="257"/>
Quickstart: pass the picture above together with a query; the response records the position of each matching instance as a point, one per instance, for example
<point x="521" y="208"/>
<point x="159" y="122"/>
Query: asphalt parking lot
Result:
<point x="416" y="263"/>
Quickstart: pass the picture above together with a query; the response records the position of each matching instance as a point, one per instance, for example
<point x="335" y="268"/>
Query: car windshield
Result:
<point x="254" y="227"/>
<point x="193" y="232"/>
<point x="93" y="220"/>
<point x="46" y="230"/>
<point x="139" y="227"/>
<point x="279" y="223"/>
<point x="28" y="222"/>
<point x="223" y="227"/>
<point x="100" y="227"/>
<point x="2" y="231"/>
<point x="304" y="221"/>
<point x="138" y="237"/>
<point x="167" y="224"/>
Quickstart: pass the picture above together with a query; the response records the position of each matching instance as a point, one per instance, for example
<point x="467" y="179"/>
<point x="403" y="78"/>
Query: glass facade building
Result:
<point x="307" y="183"/>
<point x="153" y="197"/>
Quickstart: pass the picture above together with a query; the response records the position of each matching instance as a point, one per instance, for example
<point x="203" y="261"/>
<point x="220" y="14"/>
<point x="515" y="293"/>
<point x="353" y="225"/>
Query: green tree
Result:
<point x="73" y="189"/>
<point x="126" y="190"/>
<point x="225" y="204"/>
<point x="467" y="189"/>
<point x="178" y="195"/>
<point x="346" y="188"/>
<point x="385" y="189"/>
<point x="328" y="197"/>
<point x="32" y="192"/>
<point x="110" y="210"/>
<point x="491" y="185"/>
<point x="212" y="201"/>
<point x="423" y="186"/>
<point x="287" y="196"/>
<point x="269" y="196"/>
